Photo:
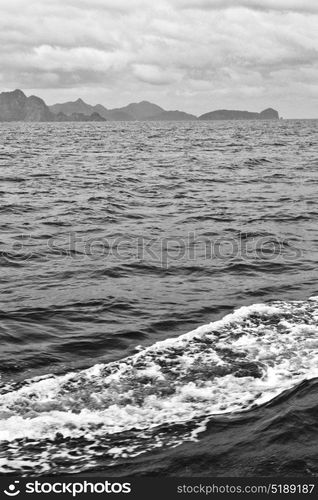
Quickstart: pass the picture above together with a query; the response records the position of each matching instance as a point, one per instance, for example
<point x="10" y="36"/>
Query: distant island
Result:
<point x="226" y="114"/>
<point x="16" y="106"/>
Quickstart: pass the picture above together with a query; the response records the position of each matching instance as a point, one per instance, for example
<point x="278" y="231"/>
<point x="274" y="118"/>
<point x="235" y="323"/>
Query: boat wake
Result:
<point x="162" y="396"/>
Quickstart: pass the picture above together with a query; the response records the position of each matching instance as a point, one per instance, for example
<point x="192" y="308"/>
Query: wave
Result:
<point x="161" y="396"/>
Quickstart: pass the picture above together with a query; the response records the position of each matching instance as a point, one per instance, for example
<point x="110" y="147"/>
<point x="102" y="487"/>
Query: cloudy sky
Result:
<point x="195" y="55"/>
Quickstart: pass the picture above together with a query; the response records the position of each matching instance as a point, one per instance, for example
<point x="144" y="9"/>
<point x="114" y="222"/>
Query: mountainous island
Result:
<point x="137" y="111"/>
<point x="16" y="106"/>
<point x="226" y="114"/>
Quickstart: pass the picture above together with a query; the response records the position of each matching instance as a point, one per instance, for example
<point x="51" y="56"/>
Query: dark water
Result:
<point x="115" y="236"/>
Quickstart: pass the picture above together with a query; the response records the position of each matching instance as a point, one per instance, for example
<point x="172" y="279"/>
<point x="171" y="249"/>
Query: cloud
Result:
<point x="302" y="6"/>
<point x="154" y="75"/>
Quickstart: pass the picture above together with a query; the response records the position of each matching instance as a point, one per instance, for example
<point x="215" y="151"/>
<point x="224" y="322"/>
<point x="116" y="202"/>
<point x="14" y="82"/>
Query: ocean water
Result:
<point x="119" y="238"/>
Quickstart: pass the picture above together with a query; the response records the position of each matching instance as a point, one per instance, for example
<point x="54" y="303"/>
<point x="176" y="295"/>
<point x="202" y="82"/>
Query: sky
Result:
<point x="193" y="55"/>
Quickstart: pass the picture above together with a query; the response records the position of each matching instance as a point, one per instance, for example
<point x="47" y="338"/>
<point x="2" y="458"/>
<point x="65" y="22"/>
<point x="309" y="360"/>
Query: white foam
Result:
<point x="245" y="359"/>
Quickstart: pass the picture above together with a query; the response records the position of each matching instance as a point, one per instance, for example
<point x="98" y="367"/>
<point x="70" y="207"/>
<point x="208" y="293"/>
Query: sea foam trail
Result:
<point x="64" y="423"/>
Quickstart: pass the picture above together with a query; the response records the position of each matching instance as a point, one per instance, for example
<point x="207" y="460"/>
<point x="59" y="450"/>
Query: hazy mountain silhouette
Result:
<point x="135" y="111"/>
<point x="173" y="116"/>
<point x="113" y="114"/>
<point x="78" y="117"/>
<point x="143" y="110"/>
<point x="68" y="108"/>
<point x="16" y="106"/>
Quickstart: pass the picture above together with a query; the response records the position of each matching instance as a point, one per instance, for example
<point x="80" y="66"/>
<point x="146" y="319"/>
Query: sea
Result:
<point x="159" y="298"/>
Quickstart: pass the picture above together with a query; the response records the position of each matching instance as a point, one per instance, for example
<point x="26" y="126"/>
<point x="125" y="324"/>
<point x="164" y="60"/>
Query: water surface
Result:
<point x="115" y="236"/>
